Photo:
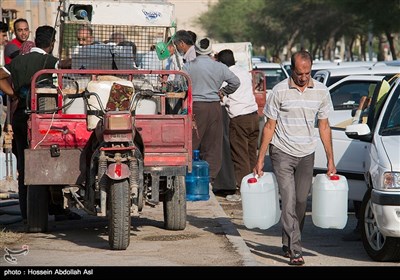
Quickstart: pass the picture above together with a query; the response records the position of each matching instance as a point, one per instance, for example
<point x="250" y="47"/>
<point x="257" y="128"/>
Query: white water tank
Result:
<point x="260" y="201"/>
<point x="329" y="201"/>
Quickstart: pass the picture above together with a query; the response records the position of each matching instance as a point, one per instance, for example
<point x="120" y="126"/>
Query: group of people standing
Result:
<point x="218" y="84"/>
<point x="295" y="107"/>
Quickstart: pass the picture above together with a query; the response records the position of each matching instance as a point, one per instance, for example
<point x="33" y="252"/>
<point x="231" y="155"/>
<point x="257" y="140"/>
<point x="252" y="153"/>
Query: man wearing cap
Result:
<point x="207" y="77"/>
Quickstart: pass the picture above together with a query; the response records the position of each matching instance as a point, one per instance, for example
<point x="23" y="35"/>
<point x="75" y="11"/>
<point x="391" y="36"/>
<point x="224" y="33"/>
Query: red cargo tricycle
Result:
<point x="102" y="141"/>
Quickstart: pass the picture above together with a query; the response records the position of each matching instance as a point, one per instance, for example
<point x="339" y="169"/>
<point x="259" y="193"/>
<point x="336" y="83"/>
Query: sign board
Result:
<point x="139" y="13"/>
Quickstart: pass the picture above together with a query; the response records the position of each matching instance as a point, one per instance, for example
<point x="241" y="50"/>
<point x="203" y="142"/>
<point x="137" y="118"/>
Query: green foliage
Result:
<point x="229" y="20"/>
<point x="312" y="24"/>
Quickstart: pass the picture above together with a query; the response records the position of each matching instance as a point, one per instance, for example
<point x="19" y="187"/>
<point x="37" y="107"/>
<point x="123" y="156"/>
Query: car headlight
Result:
<point x="391" y="180"/>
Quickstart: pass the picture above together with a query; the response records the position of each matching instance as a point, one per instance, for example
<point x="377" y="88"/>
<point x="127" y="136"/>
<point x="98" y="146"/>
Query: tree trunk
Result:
<point x="350" y="54"/>
<point x="290" y="44"/>
<point x="391" y="45"/>
<point x="381" y="53"/>
<point x="363" y="42"/>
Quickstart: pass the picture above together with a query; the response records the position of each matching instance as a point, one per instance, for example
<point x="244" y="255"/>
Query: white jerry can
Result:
<point x="329" y="201"/>
<point x="260" y="201"/>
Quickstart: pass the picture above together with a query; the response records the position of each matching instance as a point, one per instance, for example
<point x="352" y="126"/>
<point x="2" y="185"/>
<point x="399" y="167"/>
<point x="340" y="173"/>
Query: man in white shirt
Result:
<point x="244" y="122"/>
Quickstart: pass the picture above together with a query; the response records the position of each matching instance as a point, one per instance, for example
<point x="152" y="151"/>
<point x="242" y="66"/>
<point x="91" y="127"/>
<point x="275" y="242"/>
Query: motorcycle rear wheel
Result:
<point x="175" y="205"/>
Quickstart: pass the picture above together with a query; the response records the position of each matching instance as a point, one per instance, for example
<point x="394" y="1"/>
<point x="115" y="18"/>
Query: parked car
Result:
<point x="331" y="76"/>
<point x="380" y="209"/>
<point x="274" y="73"/>
<point x="324" y="64"/>
<point x="258" y="59"/>
<point x="346" y="150"/>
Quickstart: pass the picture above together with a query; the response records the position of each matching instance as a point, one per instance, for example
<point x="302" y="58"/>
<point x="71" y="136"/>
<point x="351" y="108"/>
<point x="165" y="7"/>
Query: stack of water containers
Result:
<point x="329" y="201"/>
<point x="260" y="201"/>
<point x="197" y="182"/>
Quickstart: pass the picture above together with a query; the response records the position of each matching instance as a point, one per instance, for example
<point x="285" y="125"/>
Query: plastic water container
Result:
<point x="197" y="182"/>
<point x="329" y="201"/>
<point x="260" y="201"/>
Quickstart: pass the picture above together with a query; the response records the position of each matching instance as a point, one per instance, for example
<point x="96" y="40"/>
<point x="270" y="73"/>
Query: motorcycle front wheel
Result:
<point x="120" y="218"/>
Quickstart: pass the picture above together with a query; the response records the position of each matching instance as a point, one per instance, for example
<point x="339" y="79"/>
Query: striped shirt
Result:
<point x="296" y="113"/>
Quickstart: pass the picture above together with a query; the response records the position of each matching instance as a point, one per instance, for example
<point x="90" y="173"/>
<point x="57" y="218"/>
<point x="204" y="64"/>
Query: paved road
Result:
<point x="321" y="247"/>
<point x="210" y="239"/>
<point x="214" y="236"/>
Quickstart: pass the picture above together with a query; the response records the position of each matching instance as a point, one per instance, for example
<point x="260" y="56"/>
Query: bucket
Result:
<point x="197" y="182"/>
<point x="329" y="201"/>
<point x="260" y="201"/>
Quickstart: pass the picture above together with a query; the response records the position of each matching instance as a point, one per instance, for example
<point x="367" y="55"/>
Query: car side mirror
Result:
<point x="359" y="131"/>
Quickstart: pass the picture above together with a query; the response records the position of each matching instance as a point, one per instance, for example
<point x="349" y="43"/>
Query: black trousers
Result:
<point x="20" y="129"/>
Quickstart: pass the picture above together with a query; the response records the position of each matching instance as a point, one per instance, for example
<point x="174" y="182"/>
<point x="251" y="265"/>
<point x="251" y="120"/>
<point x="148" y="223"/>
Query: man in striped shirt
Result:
<point x="292" y="109"/>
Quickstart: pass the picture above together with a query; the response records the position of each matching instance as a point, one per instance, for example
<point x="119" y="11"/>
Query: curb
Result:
<point x="233" y="234"/>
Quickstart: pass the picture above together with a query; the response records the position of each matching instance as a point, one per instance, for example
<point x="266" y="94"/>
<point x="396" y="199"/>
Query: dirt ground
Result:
<point x="85" y="242"/>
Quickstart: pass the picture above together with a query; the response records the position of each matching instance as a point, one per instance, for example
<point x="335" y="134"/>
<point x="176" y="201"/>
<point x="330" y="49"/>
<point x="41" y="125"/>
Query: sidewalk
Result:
<point x="232" y="233"/>
<point x="209" y="239"/>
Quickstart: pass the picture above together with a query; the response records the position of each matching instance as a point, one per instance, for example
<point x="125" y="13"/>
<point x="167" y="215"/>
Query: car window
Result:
<point x="347" y="95"/>
<point x="391" y="120"/>
<point x="274" y="76"/>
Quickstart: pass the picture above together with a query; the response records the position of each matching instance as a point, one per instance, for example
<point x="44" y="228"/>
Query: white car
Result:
<point x="380" y="210"/>
<point x="274" y="72"/>
<point x="346" y="94"/>
<point x="330" y="76"/>
<point x="326" y="64"/>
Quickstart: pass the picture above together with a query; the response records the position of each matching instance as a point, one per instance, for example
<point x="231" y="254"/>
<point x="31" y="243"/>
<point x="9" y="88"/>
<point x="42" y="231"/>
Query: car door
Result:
<point x="347" y="152"/>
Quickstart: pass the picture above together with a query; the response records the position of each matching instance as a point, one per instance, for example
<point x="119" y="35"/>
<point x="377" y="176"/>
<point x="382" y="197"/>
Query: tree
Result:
<point x="316" y="25"/>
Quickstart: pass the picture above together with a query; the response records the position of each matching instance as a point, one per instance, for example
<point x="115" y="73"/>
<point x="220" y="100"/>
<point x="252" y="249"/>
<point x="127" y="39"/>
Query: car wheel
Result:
<point x="378" y="247"/>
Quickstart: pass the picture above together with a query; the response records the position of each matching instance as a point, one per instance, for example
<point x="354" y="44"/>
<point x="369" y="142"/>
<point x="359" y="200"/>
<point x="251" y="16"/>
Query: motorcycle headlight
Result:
<point x="118" y="122"/>
<point x="391" y="180"/>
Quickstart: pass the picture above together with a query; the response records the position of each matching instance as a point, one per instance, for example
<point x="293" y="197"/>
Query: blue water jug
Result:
<point x="197" y="182"/>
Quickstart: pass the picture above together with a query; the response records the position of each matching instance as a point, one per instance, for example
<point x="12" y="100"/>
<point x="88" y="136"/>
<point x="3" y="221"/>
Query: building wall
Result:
<point x="188" y="11"/>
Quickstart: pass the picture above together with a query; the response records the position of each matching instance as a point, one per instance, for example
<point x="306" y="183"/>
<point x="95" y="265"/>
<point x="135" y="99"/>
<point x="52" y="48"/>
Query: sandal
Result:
<point x="296" y="259"/>
<point x="286" y="252"/>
